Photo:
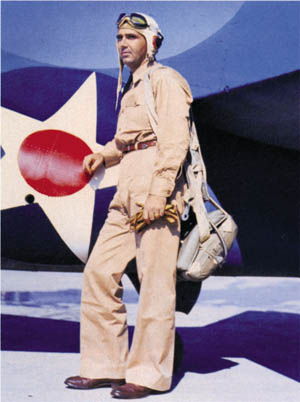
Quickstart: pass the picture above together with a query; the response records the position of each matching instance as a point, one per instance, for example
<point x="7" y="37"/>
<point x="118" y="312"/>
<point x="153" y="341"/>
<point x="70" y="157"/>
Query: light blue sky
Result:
<point x="82" y="33"/>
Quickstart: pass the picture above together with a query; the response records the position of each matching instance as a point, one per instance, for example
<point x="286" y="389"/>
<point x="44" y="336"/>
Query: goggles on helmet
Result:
<point x="137" y="20"/>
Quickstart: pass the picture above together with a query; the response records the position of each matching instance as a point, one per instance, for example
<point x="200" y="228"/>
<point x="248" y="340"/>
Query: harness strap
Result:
<point x="195" y="171"/>
<point x="149" y="97"/>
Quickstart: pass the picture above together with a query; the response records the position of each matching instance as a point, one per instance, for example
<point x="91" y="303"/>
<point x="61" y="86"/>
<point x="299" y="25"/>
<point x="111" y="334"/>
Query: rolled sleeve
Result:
<point x="172" y="100"/>
<point x="111" y="154"/>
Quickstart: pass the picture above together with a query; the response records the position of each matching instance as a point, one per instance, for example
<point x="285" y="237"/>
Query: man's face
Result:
<point x="132" y="48"/>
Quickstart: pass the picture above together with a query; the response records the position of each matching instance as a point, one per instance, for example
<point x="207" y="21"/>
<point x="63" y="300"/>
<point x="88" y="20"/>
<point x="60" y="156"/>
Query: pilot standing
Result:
<point x="150" y="166"/>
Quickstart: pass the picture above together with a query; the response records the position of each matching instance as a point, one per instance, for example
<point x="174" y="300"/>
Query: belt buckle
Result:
<point x="140" y="145"/>
<point x="126" y="149"/>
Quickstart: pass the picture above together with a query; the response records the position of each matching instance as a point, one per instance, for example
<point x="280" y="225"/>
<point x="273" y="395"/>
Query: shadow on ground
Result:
<point x="271" y="339"/>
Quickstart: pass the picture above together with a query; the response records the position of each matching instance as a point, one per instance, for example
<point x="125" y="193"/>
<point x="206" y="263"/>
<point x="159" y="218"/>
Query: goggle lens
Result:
<point x="137" y="20"/>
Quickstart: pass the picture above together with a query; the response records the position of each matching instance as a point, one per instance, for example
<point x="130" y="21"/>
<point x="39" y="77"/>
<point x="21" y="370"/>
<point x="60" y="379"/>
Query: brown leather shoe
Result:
<point x="130" y="391"/>
<point x="78" y="382"/>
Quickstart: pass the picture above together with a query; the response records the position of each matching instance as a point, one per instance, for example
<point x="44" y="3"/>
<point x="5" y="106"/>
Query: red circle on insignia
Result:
<point x="51" y="162"/>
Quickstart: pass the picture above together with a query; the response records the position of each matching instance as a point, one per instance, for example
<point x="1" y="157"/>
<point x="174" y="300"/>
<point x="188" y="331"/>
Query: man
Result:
<point x="149" y="176"/>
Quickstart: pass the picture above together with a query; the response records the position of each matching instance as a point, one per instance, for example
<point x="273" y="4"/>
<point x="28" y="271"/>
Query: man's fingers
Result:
<point x="146" y="216"/>
<point x="86" y="163"/>
<point x="154" y="208"/>
<point x="91" y="163"/>
<point x="151" y="214"/>
<point x="94" y="166"/>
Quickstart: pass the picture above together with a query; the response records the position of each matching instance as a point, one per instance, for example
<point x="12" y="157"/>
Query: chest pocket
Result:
<point x="130" y="100"/>
<point x="133" y="116"/>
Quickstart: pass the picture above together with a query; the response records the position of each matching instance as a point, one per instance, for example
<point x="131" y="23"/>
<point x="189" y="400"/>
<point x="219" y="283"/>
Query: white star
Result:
<point x="70" y="215"/>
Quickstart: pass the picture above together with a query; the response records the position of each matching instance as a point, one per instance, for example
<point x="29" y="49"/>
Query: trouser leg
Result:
<point x="150" y="361"/>
<point x="104" y="342"/>
<point x="103" y="332"/>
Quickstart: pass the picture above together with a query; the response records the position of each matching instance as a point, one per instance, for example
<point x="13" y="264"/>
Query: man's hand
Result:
<point x="154" y="207"/>
<point x="91" y="162"/>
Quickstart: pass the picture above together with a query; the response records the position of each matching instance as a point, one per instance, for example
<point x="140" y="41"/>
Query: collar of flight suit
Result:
<point x="139" y="73"/>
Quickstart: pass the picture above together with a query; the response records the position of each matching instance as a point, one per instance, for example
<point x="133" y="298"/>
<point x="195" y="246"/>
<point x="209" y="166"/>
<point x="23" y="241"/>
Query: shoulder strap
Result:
<point x="149" y="98"/>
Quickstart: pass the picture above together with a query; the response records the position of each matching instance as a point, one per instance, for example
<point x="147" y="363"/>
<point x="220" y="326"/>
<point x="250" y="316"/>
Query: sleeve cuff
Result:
<point x="161" y="186"/>
<point x="111" y="158"/>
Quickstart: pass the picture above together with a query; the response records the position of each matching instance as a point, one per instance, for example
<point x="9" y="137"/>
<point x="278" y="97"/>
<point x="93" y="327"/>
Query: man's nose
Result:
<point x="123" y="43"/>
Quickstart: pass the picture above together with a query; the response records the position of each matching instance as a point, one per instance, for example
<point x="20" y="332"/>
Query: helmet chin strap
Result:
<point x="121" y="67"/>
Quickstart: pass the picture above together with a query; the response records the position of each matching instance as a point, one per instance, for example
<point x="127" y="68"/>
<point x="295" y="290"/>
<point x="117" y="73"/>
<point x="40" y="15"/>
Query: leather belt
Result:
<point x="138" y="145"/>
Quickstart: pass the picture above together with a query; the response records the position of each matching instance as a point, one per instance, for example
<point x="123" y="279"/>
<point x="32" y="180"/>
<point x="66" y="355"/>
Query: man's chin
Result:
<point x="128" y="62"/>
<point x="126" y="58"/>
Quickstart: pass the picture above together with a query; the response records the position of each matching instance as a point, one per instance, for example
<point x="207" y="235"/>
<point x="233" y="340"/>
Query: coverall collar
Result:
<point x="140" y="71"/>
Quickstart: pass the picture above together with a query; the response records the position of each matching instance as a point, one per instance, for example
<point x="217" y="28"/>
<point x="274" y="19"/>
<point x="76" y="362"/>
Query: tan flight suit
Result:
<point x="104" y="338"/>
